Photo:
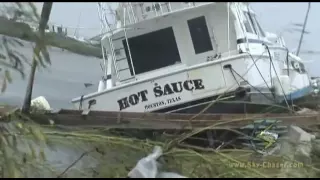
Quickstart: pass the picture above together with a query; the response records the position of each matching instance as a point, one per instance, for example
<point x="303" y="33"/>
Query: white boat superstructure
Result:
<point x="174" y="57"/>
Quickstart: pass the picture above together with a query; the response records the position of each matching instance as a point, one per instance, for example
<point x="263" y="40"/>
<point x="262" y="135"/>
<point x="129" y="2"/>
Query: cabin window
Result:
<point x="200" y="35"/>
<point x="252" y="25"/>
<point x="152" y="51"/>
<point x="261" y="32"/>
<point x="247" y="26"/>
<point x="248" y="23"/>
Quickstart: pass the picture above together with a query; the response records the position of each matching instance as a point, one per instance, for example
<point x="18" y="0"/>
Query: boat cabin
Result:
<point x="157" y="38"/>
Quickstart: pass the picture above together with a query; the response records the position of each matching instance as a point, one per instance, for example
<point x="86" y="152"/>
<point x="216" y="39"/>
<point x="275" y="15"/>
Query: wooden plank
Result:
<point x="168" y="115"/>
<point x="130" y="120"/>
<point x="167" y="121"/>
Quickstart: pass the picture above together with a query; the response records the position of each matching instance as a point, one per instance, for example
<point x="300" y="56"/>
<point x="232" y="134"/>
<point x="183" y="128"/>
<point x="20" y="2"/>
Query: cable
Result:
<point x="255" y="87"/>
<point x="254" y="62"/>
<point x="285" y="96"/>
<point x="288" y="72"/>
<point x="235" y="78"/>
<point x="232" y="70"/>
<point x="270" y="71"/>
<point x="230" y="87"/>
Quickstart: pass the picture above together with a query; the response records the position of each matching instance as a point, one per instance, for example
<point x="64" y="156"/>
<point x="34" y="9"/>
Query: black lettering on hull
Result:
<point x="168" y="89"/>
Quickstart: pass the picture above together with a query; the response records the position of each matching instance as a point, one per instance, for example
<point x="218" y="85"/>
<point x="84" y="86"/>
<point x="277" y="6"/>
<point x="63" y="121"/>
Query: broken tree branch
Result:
<point x="74" y="163"/>
<point x="23" y="31"/>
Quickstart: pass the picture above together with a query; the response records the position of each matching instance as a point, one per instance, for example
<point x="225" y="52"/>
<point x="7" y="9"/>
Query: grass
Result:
<point x="102" y="154"/>
<point x="116" y="156"/>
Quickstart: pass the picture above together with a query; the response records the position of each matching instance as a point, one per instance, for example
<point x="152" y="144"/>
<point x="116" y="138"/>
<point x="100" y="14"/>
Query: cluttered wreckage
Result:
<point x="250" y="72"/>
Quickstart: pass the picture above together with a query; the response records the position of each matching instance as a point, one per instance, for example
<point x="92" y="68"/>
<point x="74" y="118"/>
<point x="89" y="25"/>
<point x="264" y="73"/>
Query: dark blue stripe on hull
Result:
<point x="240" y="103"/>
<point x="237" y="105"/>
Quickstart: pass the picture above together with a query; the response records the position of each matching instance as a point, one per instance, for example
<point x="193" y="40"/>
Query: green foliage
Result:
<point x="10" y="58"/>
<point x="115" y="156"/>
<point x="21" y="147"/>
<point x="21" y="144"/>
<point x="18" y="11"/>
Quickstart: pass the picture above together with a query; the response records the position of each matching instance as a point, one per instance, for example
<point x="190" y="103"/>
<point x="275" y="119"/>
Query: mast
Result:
<point x="304" y="28"/>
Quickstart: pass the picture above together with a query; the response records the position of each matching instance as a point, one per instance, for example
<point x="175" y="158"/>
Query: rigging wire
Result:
<point x="257" y="89"/>
<point x="288" y="72"/>
<point x="212" y="102"/>
<point x="254" y="62"/>
<point x="284" y="95"/>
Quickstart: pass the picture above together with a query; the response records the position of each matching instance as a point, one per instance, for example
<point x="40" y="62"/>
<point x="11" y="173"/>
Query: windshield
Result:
<point x="252" y="25"/>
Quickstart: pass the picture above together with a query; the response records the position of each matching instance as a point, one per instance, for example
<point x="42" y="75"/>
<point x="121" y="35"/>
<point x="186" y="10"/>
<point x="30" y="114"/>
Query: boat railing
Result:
<point x="157" y="9"/>
<point x="112" y="48"/>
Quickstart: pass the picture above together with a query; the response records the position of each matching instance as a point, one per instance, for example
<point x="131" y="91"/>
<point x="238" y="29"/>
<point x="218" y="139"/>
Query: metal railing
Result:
<point x="126" y="37"/>
<point x="157" y="9"/>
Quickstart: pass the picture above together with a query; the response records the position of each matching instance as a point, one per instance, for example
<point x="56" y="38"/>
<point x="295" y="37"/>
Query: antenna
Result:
<point x="76" y="32"/>
<point x="304" y="28"/>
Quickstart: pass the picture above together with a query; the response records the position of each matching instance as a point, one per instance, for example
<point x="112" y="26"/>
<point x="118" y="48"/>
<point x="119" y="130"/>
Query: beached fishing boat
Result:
<point x="182" y="56"/>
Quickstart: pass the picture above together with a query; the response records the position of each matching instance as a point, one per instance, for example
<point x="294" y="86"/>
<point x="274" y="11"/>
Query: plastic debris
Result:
<point x="147" y="167"/>
<point x="40" y="103"/>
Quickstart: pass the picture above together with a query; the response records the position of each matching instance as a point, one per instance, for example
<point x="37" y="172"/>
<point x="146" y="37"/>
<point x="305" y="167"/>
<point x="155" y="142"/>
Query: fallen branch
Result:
<point x="74" y="163"/>
<point x="24" y="32"/>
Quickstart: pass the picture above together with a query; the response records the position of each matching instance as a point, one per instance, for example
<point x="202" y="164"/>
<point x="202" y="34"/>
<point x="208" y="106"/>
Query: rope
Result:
<point x="232" y="70"/>
<point x="285" y="96"/>
<point x="254" y="62"/>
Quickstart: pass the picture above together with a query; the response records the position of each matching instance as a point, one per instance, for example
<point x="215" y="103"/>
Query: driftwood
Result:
<point x="162" y="121"/>
<point x="24" y="32"/>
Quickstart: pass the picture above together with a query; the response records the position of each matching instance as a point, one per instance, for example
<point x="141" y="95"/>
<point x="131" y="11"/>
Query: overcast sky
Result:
<point x="273" y="17"/>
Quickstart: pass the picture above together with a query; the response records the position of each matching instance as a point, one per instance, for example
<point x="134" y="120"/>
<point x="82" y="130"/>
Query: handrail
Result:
<point x="113" y="57"/>
<point x="161" y="8"/>
<point x="134" y="17"/>
<point x="154" y="8"/>
<point x="103" y="26"/>
<point x="125" y="34"/>
<point x="170" y="9"/>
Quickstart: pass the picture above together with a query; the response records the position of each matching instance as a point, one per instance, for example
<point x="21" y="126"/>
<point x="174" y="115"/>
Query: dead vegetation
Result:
<point x="30" y="150"/>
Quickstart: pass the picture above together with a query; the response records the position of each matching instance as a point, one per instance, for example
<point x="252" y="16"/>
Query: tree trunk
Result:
<point x="304" y="28"/>
<point x="45" y="14"/>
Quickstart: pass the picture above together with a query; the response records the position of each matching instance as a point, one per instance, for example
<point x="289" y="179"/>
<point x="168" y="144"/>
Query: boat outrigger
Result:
<point x="187" y="57"/>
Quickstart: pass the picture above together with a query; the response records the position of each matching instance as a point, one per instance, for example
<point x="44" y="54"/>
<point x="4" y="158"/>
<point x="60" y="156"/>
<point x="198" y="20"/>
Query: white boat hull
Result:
<point x="197" y="83"/>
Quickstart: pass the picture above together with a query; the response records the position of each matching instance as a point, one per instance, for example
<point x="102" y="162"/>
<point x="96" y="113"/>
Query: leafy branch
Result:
<point x="11" y="59"/>
<point x="14" y="157"/>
